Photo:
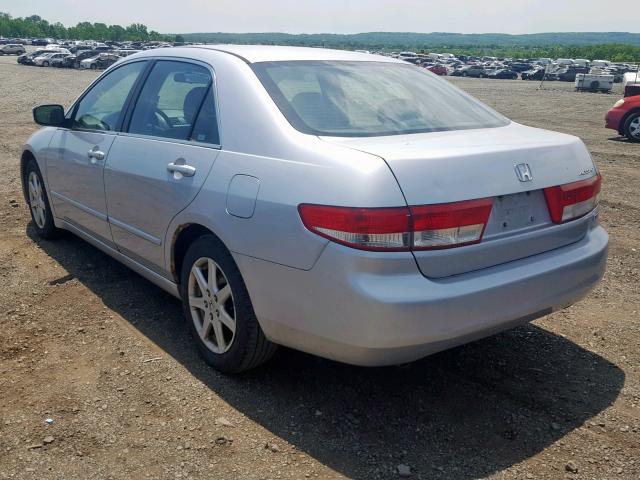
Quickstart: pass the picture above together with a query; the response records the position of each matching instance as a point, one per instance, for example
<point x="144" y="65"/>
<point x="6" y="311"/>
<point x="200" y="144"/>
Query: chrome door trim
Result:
<point x="135" y="231"/>
<point x="212" y="146"/>
<point x="81" y="206"/>
<point x="155" y="278"/>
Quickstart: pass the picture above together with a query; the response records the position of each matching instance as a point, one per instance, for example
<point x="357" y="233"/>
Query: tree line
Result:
<point x="618" y="47"/>
<point x="36" y="27"/>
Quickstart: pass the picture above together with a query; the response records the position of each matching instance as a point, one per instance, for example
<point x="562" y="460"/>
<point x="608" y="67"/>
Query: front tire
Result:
<point x="218" y="309"/>
<point x="39" y="207"/>
<point x="631" y="128"/>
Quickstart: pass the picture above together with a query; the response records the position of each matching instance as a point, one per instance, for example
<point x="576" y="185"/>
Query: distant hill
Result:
<point x="411" y="41"/>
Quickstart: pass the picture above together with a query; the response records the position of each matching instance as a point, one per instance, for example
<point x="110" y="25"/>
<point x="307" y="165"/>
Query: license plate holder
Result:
<point x="514" y="211"/>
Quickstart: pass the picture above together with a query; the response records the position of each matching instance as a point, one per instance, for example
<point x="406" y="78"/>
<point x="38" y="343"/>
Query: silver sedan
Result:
<point x="345" y="204"/>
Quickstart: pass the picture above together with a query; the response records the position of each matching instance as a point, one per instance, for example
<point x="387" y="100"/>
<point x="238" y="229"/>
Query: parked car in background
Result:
<point x="566" y="74"/>
<point x="125" y="52"/>
<point x="12" y="49"/>
<point x="59" y="59"/>
<point x="624" y="118"/>
<point x="534" y="74"/>
<point x="100" y="61"/>
<point x="76" y="59"/>
<point x="78" y="48"/>
<point x="27" y="58"/>
<point x="418" y="217"/>
<point x="438" y="69"/>
<point x="46" y="59"/>
<point x="503" y="73"/>
<point x="520" y="67"/>
<point x="477" y="71"/>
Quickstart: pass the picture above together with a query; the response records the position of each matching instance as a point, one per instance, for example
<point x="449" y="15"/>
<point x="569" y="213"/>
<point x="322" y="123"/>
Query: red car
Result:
<point x="624" y="117"/>
<point x="438" y="69"/>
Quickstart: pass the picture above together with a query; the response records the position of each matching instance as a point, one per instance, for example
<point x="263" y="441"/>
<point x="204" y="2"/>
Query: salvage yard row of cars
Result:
<point x="75" y="54"/>
<point x="562" y="69"/>
<point x="96" y="55"/>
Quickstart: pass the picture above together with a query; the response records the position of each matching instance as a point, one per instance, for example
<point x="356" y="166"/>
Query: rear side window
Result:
<point x="171" y="101"/>
<point x="205" y="129"/>
<point x="101" y="107"/>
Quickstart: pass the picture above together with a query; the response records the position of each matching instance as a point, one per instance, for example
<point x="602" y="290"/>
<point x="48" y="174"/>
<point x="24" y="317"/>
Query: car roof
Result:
<point x="271" y="53"/>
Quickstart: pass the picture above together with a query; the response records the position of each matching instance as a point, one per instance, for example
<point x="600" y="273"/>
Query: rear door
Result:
<point x="75" y="168"/>
<point x="157" y="167"/>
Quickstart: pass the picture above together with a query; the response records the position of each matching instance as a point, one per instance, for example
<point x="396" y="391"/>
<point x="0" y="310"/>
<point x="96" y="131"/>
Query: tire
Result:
<point x="243" y="348"/>
<point x="45" y="64"/>
<point x="464" y="74"/>
<point x="631" y="128"/>
<point x="39" y="207"/>
<point x="93" y="66"/>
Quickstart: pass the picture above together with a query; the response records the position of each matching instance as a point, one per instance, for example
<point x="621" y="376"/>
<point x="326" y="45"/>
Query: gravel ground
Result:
<point x="102" y="353"/>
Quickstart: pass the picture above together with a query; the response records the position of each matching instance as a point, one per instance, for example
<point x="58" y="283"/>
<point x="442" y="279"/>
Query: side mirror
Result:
<point x="49" y="115"/>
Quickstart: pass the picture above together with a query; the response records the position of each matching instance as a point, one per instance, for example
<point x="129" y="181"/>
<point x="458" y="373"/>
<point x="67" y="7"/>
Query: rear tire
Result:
<point x="218" y="309"/>
<point x="631" y="127"/>
<point x="38" y="202"/>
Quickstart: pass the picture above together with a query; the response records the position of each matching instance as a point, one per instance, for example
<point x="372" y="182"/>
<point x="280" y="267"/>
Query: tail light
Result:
<point x="423" y="227"/>
<point x="450" y="224"/>
<point x="573" y="200"/>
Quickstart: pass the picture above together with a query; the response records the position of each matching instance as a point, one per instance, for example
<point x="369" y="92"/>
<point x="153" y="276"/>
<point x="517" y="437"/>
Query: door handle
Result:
<point x="182" y="168"/>
<point x="95" y="155"/>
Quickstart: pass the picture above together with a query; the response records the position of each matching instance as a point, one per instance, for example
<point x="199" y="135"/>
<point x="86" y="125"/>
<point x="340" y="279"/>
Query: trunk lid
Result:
<point x="443" y="167"/>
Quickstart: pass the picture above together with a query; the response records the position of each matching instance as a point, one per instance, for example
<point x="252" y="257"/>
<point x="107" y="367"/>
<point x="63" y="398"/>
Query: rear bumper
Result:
<point x="377" y="309"/>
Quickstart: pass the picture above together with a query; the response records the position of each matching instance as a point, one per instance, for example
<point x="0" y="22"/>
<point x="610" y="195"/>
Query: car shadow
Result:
<point x="623" y="140"/>
<point x="461" y="414"/>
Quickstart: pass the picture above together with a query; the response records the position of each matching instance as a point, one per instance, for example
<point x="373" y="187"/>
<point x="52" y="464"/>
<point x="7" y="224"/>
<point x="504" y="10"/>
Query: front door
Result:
<point x="75" y="166"/>
<point x="156" y="168"/>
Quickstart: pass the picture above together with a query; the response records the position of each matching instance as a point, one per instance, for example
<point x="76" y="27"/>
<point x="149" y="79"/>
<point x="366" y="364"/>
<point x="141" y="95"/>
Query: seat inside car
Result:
<point x="319" y="111"/>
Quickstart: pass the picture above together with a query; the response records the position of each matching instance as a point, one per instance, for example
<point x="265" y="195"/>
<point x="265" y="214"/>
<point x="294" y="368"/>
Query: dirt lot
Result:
<point x="103" y="353"/>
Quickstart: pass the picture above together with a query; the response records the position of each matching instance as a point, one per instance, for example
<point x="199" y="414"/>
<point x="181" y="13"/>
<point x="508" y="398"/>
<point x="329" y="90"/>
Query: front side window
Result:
<point x="170" y="100"/>
<point x="340" y="98"/>
<point x="101" y="108"/>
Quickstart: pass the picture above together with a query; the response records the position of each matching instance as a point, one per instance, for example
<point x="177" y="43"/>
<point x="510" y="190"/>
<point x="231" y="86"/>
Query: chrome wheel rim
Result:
<point x="634" y="128"/>
<point x="36" y="200"/>
<point x="212" y="306"/>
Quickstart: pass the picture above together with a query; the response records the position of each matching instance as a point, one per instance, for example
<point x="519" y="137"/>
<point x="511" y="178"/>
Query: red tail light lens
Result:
<point x="573" y="200"/>
<point x="364" y="228"/>
<point x="400" y="229"/>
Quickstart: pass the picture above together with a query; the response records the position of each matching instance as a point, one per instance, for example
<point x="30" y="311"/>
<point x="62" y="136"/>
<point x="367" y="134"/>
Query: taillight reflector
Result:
<point x="573" y="200"/>
<point x="423" y="227"/>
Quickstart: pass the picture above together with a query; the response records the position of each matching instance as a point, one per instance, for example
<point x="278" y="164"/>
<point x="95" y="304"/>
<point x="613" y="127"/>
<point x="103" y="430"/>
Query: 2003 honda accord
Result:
<point x="344" y="204"/>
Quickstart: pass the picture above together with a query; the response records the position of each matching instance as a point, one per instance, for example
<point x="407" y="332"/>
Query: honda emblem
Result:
<point x="523" y="171"/>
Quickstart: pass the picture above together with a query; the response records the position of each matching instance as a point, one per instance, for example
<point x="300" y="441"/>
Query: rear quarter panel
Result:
<point x="292" y="168"/>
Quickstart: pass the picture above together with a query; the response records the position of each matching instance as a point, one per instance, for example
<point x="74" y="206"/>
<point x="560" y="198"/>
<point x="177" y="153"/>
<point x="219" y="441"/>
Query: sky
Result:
<point x="338" y="16"/>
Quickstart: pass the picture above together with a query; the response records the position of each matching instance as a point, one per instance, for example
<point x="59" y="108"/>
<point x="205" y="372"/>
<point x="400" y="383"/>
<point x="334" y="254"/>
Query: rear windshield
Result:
<point x="361" y="99"/>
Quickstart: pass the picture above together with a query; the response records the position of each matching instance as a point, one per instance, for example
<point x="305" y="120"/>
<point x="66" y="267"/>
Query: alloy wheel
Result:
<point x="36" y="200"/>
<point x="634" y="128"/>
<point x="212" y="305"/>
